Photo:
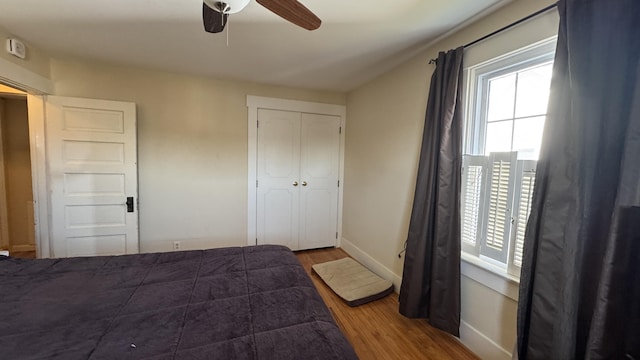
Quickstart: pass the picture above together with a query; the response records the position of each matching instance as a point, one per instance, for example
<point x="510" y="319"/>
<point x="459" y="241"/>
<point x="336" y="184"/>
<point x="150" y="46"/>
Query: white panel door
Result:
<point x="92" y="158"/>
<point x="278" y="174"/>
<point x="319" y="174"/>
<point x="297" y="170"/>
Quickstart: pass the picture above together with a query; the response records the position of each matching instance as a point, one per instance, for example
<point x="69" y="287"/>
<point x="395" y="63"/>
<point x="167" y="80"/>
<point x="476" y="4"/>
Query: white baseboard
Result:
<point x="22" y="248"/>
<point x="372" y="264"/>
<point x="189" y="244"/>
<point x="481" y="345"/>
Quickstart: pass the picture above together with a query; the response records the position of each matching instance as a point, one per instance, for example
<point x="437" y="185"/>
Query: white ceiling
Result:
<point x="358" y="39"/>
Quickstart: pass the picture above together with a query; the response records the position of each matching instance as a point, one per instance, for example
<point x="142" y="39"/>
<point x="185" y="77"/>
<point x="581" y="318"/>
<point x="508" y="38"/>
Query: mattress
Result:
<point x="231" y="303"/>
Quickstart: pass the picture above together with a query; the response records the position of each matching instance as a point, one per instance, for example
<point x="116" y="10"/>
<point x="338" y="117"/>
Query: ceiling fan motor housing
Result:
<point x="216" y="12"/>
<point x="227" y="6"/>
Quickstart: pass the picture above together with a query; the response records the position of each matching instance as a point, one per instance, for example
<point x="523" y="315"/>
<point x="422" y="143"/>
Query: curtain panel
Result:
<point x="431" y="275"/>
<point x="579" y="296"/>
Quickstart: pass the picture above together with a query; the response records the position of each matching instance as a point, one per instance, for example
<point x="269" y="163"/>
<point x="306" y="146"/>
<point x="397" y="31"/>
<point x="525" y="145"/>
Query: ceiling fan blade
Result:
<point x="213" y="20"/>
<point x="294" y="12"/>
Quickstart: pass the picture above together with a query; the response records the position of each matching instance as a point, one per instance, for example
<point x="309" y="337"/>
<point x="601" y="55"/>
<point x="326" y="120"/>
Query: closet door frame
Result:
<point x="258" y="102"/>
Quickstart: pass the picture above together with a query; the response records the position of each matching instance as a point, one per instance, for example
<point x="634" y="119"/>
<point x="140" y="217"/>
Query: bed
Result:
<point x="232" y="303"/>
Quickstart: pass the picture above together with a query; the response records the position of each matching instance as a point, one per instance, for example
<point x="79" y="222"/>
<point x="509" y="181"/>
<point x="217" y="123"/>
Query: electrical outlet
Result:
<point x="176" y="245"/>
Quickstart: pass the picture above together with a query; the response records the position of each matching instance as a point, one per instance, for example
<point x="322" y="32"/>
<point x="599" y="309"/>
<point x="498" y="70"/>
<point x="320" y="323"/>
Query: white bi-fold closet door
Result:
<point x="298" y="162"/>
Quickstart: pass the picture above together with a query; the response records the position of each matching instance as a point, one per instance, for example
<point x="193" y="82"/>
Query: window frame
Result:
<point x="478" y="77"/>
<point x="476" y="80"/>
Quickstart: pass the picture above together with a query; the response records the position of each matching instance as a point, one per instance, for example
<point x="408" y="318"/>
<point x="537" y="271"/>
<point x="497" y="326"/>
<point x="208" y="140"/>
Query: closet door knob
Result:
<point x="304" y="183"/>
<point x="295" y="183"/>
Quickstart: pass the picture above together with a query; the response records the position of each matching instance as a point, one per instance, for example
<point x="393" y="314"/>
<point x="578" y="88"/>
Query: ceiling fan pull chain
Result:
<point x="224" y="9"/>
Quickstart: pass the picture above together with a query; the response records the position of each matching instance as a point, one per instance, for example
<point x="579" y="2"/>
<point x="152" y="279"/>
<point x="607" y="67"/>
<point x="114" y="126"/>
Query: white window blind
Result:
<point x="525" y="182"/>
<point x="497" y="192"/>
<point x="473" y="173"/>
<point x="498" y="204"/>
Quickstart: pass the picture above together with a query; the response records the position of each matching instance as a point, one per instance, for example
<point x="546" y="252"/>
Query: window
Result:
<point x="506" y="111"/>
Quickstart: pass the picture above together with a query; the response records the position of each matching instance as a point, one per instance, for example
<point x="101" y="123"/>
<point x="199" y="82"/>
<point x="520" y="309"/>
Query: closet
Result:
<point x="297" y="179"/>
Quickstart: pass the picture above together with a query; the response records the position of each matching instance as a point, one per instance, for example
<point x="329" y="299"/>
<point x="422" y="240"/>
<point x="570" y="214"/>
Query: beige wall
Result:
<point x="385" y="120"/>
<point x="17" y="167"/>
<point x="37" y="61"/>
<point x="192" y="147"/>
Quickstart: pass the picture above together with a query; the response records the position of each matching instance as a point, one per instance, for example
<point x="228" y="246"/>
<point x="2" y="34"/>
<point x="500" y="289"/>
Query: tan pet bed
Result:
<point x="353" y="282"/>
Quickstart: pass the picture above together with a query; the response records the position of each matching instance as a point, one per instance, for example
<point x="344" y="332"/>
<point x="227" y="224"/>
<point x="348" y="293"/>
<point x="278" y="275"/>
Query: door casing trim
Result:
<point x="258" y="102"/>
<point x="36" y="87"/>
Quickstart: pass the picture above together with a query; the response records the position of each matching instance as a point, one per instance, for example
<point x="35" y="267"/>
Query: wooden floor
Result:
<point x="23" y="254"/>
<point x="377" y="330"/>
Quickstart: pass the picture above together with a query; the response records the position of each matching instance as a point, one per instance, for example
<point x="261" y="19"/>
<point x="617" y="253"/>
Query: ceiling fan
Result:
<point x="215" y="13"/>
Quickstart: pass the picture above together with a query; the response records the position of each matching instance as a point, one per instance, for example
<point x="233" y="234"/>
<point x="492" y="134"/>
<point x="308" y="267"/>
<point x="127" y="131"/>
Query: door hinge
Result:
<point x="257" y="123"/>
<point x="256" y="183"/>
<point x="340" y="130"/>
<point x="338" y="183"/>
<point x="336" y="234"/>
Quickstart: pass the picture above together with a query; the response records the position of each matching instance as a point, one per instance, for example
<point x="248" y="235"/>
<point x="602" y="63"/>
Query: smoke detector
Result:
<point x="16" y="48"/>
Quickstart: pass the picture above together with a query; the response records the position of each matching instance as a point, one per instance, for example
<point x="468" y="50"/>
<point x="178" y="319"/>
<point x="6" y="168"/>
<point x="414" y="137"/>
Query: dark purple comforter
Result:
<point x="231" y="303"/>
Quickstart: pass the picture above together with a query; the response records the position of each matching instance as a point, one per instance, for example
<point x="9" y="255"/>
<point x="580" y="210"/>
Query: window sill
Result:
<point x="489" y="275"/>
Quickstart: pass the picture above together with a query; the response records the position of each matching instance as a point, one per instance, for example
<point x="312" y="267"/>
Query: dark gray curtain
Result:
<point x="431" y="275"/>
<point x="579" y="287"/>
